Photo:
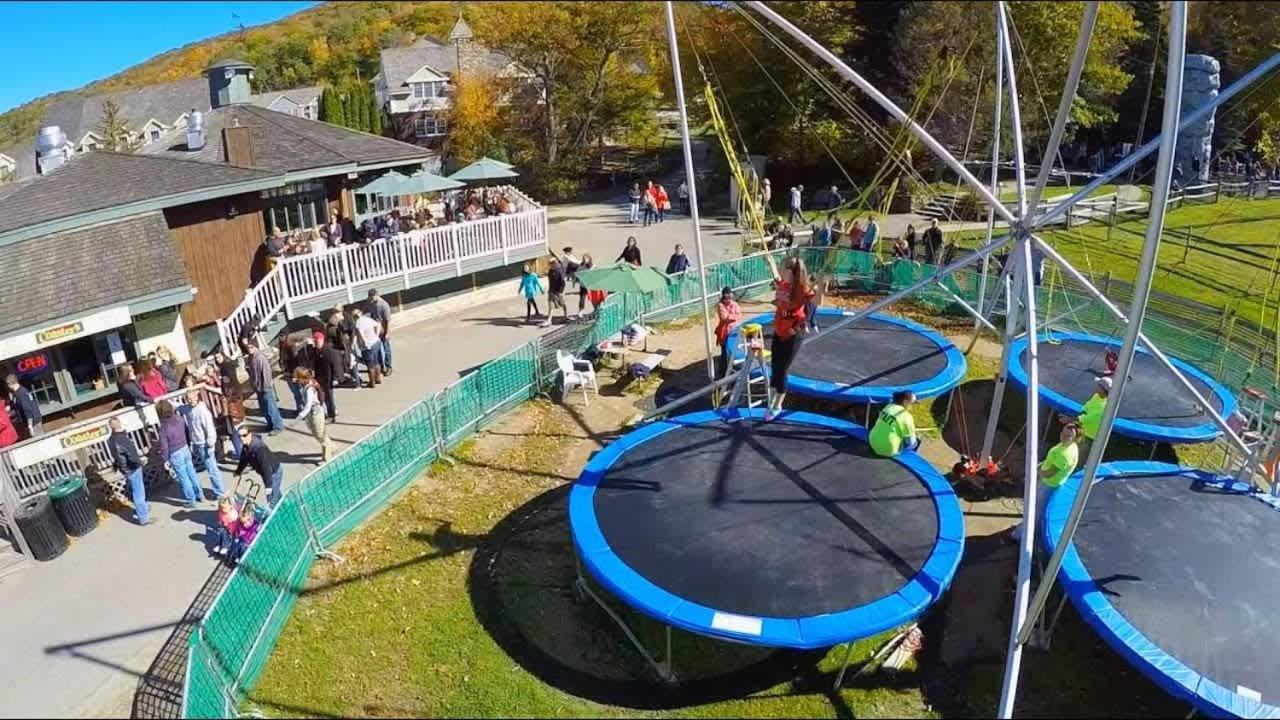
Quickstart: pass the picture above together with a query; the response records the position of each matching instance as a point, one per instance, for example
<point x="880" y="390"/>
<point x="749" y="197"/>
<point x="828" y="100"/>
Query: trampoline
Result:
<point x="1177" y="570"/>
<point x="787" y="534"/>
<point x="1155" y="407"/>
<point x="869" y="360"/>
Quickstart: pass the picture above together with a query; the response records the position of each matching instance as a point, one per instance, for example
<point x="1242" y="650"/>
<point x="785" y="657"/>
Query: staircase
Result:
<point x="942" y="206"/>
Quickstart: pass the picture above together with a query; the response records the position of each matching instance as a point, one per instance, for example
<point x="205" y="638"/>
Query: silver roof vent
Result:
<point x="195" y="130"/>
<point x="51" y="149"/>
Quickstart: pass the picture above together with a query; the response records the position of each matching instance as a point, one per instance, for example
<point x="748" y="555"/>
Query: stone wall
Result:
<point x="1195" y="144"/>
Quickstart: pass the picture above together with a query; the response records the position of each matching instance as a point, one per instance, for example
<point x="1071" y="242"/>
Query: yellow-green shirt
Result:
<point x="1062" y="460"/>
<point x="1091" y="415"/>
<point x="894" y="425"/>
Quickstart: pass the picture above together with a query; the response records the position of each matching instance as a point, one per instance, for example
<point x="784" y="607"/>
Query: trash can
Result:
<point x="39" y="524"/>
<point x="73" y="505"/>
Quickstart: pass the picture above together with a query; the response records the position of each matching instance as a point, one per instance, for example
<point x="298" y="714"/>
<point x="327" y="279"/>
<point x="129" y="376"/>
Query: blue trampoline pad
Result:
<point x="1177" y="570"/>
<point x="869" y="360"/>
<point x="1155" y="407"/>
<point x="789" y="533"/>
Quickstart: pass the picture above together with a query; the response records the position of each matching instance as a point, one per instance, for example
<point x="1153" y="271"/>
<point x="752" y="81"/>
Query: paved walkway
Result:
<point x="79" y="632"/>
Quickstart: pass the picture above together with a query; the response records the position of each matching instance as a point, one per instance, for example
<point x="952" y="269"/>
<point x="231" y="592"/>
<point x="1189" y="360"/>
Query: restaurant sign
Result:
<point x="28" y="342"/>
<point x="84" y="437"/>
<point x="59" y="333"/>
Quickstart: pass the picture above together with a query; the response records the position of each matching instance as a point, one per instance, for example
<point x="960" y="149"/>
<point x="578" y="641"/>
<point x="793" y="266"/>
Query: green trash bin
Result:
<point x="73" y="505"/>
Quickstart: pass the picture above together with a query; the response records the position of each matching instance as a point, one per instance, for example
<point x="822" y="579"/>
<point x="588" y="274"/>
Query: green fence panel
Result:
<point x="204" y="687"/>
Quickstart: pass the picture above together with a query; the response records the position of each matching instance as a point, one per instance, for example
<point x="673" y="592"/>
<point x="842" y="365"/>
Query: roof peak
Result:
<point x="461" y="30"/>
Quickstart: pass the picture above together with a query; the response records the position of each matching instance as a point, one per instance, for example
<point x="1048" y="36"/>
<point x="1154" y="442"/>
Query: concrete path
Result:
<point x="77" y="633"/>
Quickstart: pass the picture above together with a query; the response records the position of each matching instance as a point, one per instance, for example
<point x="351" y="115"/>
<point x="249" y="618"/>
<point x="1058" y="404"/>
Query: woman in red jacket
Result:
<point x="730" y="315"/>
<point x="8" y="434"/>
<point x="793" y="292"/>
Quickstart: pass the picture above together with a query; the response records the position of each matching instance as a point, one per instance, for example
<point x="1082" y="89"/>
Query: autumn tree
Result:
<point x="114" y="131"/>
<point x="475" y="119"/>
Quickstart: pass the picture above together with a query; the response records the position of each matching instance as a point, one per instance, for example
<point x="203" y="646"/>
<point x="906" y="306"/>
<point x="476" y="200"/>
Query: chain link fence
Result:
<point x="231" y="645"/>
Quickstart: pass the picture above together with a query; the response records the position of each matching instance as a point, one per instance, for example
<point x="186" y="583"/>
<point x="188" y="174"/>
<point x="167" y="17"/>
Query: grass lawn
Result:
<point x="1219" y="254"/>
<point x="457" y="601"/>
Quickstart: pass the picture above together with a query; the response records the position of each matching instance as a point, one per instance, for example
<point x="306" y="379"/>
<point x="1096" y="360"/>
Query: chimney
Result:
<point x="51" y="149"/>
<point x="237" y="143"/>
<point x="229" y="83"/>
<point x="195" y="130"/>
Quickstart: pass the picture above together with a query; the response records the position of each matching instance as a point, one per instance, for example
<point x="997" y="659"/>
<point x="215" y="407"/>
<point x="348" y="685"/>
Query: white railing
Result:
<point x="261" y="303"/>
<point x="341" y="271"/>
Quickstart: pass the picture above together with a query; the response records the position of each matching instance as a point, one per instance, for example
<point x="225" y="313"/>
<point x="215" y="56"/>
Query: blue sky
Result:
<point x="95" y="39"/>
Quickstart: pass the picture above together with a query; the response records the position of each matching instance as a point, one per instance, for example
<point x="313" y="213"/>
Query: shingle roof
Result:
<point x="399" y="64"/>
<point x="57" y="275"/>
<point x="24" y="154"/>
<point x="77" y="115"/>
<point x="286" y="143"/>
<point x="99" y="180"/>
<point x="301" y="96"/>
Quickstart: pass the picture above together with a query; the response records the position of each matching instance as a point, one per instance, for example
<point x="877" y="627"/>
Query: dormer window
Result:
<point x="424" y="90"/>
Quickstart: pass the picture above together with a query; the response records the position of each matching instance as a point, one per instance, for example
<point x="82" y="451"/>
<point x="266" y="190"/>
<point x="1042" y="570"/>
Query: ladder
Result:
<point x="752" y="382"/>
<point x="1258" y="424"/>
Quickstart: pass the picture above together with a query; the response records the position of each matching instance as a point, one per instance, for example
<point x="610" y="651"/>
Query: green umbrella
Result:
<point x="425" y="182"/>
<point x="624" y="278"/>
<point x="484" y="169"/>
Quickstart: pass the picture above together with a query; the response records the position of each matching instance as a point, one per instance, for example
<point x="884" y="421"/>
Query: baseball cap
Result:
<point x="1103" y="381"/>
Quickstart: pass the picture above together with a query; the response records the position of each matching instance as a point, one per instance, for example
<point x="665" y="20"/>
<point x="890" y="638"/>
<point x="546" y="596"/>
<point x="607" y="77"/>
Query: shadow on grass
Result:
<point x="521" y="585"/>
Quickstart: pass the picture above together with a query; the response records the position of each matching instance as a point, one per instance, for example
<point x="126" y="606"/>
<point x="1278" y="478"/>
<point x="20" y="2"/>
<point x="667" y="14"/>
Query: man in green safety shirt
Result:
<point x="1058" y="464"/>
<point x="895" y="429"/>
<point x="1091" y="415"/>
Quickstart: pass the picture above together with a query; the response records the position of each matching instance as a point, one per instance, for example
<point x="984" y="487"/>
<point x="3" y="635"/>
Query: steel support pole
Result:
<point x="1031" y="483"/>
<point x="693" y="187"/>
<point x="1138" y="308"/>
<point x="883" y="101"/>
<point x="1057" y="210"/>
<point x="995" y="171"/>
<point x="1064" y="105"/>
<point x="1012" y="279"/>
<point x="1157" y="353"/>
<point x="1015" y="111"/>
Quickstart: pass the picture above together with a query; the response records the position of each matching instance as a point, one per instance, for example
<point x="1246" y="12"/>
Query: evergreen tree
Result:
<point x="359" y="98"/>
<point x="331" y="107"/>
<point x="114" y="131"/>
<point x="375" y="114"/>
<point x="349" y="110"/>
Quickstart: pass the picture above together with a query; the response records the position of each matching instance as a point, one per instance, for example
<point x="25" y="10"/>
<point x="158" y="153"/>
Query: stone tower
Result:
<point x="469" y="54"/>
<point x="1195" y="144"/>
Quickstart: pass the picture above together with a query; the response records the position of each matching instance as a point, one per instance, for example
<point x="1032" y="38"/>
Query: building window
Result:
<point x="309" y="111"/>
<point x="430" y="126"/>
<point x="424" y="90"/>
<point x="155" y="134"/>
<point x="307" y="208"/>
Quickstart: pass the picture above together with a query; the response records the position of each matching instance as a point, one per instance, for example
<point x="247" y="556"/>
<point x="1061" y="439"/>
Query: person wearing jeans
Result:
<point x="204" y="439"/>
<point x="173" y="439"/>
<point x="260" y="378"/>
<point x="264" y="462"/>
<point x="127" y="460"/>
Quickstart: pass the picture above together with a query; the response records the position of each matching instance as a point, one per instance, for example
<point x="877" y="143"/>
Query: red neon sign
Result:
<point x="33" y="364"/>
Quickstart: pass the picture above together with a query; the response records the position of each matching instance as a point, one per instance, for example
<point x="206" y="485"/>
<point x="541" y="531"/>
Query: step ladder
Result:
<point x="1257" y="422"/>
<point x="753" y="375"/>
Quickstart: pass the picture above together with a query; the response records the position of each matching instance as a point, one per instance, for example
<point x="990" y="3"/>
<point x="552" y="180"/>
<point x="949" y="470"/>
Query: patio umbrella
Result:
<point x="425" y="182"/>
<point x="391" y="183"/>
<point x="624" y="278"/>
<point x="484" y="169"/>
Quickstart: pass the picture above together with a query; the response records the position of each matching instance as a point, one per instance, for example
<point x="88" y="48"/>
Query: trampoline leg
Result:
<point x="867" y="422"/>
<point x="1152" y="456"/>
<point x="1045" y="439"/>
<point x="663" y="669"/>
<point x="848" y="655"/>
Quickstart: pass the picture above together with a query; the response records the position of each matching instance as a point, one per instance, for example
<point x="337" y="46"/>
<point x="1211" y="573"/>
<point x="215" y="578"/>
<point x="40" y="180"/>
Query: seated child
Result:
<point x="248" y="530"/>
<point x="228" y="525"/>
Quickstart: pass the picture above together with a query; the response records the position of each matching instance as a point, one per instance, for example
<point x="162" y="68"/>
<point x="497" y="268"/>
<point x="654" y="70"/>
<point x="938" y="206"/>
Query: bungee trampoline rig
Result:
<point x="790" y="533"/>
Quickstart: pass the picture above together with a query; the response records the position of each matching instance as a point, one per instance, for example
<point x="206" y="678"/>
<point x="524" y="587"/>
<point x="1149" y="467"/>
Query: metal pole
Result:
<point x="1191" y="118"/>
<point x="1156" y="352"/>
<point x="1138" y="308"/>
<point x="693" y="187"/>
<point x="1015" y="113"/>
<point x="1031" y="483"/>
<point x="977" y="316"/>
<point x="1011" y="280"/>
<point x="1064" y="105"/>
<point x="898" y="114"/>
<point x="995" y="170"/>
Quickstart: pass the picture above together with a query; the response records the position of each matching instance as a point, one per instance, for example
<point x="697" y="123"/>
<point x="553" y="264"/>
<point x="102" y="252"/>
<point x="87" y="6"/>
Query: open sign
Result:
<point x="32" y="365"/>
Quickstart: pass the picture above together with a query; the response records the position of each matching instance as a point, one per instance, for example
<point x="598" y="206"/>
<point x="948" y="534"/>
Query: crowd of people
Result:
<point x="649" y="205"/>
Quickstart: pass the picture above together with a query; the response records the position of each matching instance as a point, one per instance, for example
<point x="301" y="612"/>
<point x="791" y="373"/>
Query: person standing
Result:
<point x="587" y="263"/>
<point x="1090" y="418"/>
<point x="337" y="335"/>
<point x="932" y="242"/>
<point x="683" y="192"/>
<point x="650" y="201"/>
<point x="313" y="412"/>
<point x="679" y="262"/>
<point x="870" y="235"/>
<point x="334" y="229"/>
<point x="150" y="380"/>
<point x="368" y="338"/>
<point x="8" y="433"/>
<point x="910" y="239"/>
<point x="630" y="253"/>
<point x="257" y="455"/>
<point x="327" y="368"/>
<point x="766" y="196"/>
<point x="174" y="446"/>
<point x="261" y="380"/>
<point x="662" y="202"/>
<point x="729" y="315"/>
<point x="555" y="291"/>
<point x="127" y="388"/>
<point x="128" y="462"/>
<point x="792" y="294"/>
<point x="30" y="421"/>
<point x="856" y="235"/>
<point x="834" y="200"/>
<point x="203" y="432"/>
<point x="797" y="200"/>
<point x="380" y="310"/>
<point x="530" y="287"/>
<point x="288" y="354"/>
<point x="633" y="198"/>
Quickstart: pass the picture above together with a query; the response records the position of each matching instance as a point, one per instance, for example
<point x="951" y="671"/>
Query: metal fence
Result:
<point x="230" y="646"/>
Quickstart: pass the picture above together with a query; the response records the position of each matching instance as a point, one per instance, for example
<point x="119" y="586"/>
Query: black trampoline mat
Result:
<point x="767" y="520"/>
<point x="1153" y="394"/>
<point x="1195" y="570"/>
<point x="867" y="353"/>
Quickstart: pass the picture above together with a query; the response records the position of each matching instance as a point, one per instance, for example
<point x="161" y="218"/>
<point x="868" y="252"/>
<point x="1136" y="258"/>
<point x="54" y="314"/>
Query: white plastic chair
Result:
<point x="576" y="374"/>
